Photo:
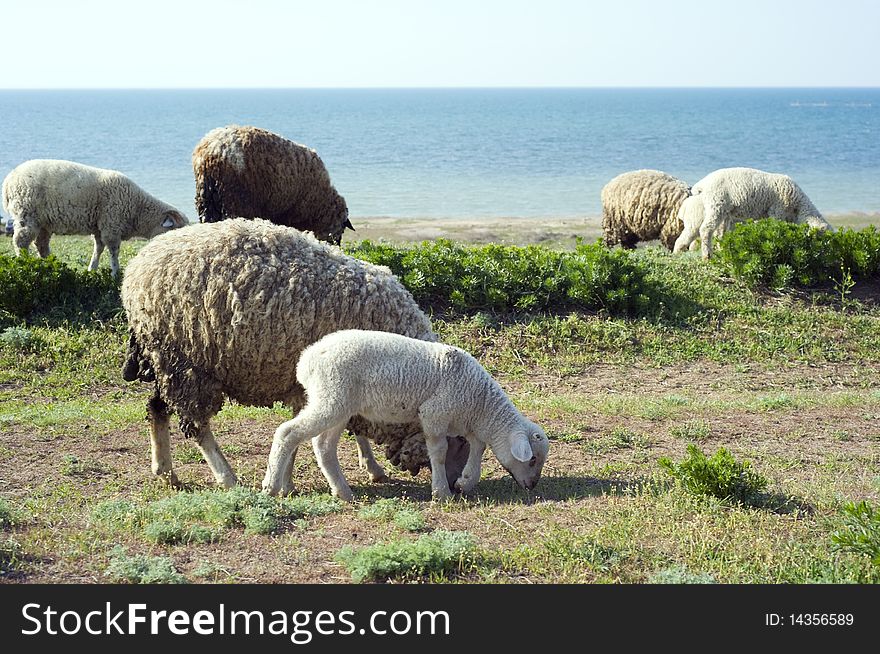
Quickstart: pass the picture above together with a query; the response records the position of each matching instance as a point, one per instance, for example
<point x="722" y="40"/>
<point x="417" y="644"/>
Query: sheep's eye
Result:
<point x="533" y="461"/>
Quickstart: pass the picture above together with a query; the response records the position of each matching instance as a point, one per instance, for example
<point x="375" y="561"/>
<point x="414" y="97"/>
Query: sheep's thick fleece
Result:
<point x="642" y="205"/>
<point x="249" y="172"/>
<point x="224" y="310"/>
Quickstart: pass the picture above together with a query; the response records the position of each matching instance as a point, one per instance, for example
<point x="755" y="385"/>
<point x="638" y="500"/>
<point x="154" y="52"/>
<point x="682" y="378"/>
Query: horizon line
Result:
<point x="439" y="88"/>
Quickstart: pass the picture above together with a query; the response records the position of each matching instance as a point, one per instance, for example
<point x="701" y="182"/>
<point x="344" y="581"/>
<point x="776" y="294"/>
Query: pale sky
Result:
<point x="419" y="43"/>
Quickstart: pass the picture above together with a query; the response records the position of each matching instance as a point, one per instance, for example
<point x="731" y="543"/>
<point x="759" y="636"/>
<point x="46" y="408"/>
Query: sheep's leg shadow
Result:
<point x="325" y="446"/>
<point x="160" y="440"/>
<point x="366" y="460"/>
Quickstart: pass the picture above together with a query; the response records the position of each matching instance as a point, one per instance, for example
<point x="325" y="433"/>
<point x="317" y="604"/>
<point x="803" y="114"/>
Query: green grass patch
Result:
<point x="679" y="574"/>
<point x="438" y="553"/>
<point x="394" y="510"/>
<point x="203" y="516"/>
<point x="719" y="476"/>
<point x="691" y="430"/>
<point x="141" y="569"/>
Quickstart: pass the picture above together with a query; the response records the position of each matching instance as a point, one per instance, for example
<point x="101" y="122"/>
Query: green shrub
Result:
<point x="34" y="289"/>
<point x="442" y="274"/>
<point x="778" y="254"/>
<point x="8" y="515"/>
<point x="861" y="531"/>
<point x="719" y="476"/>
<point x="437" y="553"/>
<point x="141" y="569"/>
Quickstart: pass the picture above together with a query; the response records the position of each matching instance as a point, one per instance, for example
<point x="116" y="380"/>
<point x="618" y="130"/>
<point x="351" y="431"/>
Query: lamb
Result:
<point x="730" y="195"/>
<point x="396" y="379"/>
<point x="642" y="205"/>
<point x="249" y="172"/>
<point x="223" y="310"/>
<point x="48" y="196"/>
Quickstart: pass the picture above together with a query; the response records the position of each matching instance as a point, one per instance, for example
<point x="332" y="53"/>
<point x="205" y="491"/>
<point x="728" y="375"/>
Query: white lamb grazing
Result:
<point x="49" y="196"/>
<point x="396" y="379"/>
<point x="731" y="195"/>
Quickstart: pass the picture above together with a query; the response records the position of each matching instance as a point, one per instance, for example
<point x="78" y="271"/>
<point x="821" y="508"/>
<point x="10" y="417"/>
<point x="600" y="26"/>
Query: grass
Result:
<point x="203" y="516"/>
<point x="785" y="380"/>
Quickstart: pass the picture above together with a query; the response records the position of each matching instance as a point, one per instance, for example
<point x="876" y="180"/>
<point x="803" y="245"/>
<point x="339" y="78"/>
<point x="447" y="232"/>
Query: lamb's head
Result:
<point x="523" y="452"/>
<point x="164" y="221"/>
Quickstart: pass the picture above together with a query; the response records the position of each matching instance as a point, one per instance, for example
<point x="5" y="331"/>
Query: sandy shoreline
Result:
<point x="556" y="232"/>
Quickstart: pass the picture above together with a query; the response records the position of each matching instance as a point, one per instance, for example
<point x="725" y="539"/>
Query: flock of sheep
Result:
<point x="258" y="305"/>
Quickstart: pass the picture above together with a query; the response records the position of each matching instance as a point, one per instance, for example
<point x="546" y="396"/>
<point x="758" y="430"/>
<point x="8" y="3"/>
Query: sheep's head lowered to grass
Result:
<point x="524" y="453"/>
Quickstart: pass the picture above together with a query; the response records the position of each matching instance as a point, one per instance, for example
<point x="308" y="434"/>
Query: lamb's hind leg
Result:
<point x="310" y="422"/>
<point x="325" y="446"/>
<point x="366" y="460"/>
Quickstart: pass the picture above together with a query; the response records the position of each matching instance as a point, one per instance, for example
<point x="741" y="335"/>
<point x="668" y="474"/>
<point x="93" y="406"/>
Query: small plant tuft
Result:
<point x="719" y="476"/>
<point x="860" y="532"/>
<point x="394" y="510"/>
<point x="141" y="569"/>
<point x="441" y="552"/>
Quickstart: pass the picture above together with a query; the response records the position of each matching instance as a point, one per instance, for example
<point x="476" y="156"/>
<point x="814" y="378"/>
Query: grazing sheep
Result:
<point x="642" y="205"/>
<point x="48" y="196"/>
<point x="731" y="195"/>
<point x="247" y="172"/>
<point x="224" y="310"/>
<point x="396" y="379"/>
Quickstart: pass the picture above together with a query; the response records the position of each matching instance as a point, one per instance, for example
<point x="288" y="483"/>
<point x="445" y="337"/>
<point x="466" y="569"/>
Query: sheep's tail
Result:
<point x="136" y="366"/>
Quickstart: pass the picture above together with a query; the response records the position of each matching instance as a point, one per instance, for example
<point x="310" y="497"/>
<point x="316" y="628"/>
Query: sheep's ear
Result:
<point x="520" y="448"/>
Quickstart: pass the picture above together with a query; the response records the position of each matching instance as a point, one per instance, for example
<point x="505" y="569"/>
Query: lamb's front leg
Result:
<point x="325" y="446"/>
<point x="470" y="476"/>
<point x="437" y="447"/>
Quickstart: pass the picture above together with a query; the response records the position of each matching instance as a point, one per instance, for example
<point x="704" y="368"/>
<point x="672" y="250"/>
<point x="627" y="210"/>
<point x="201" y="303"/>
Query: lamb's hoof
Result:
<point x="442" y="495"/>
<point x="379" y="478"/>
<point x="343" y="494"/>
<point x="227" y="482"/>
<point x="278" y="490"/>
<point x="465" y="485"/>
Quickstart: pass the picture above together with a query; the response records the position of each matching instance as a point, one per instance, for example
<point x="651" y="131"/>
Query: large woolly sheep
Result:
<point x="642" y="205"/>
<point x="396" y="379"/>
<point x="224" y="310"/>
<point x="731" y="195"/>
<point x="49" y="196"/>
<point x="247" y="172"/>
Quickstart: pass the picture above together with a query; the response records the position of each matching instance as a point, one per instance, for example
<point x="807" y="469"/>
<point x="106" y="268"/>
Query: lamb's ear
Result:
<point x="520" y="448"/>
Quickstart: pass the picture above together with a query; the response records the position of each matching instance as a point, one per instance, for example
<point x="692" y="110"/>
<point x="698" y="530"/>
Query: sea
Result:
<point x="470" y="153"/>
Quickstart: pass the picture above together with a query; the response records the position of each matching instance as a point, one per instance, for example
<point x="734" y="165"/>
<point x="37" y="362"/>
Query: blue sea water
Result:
<point x="471" y="152"/>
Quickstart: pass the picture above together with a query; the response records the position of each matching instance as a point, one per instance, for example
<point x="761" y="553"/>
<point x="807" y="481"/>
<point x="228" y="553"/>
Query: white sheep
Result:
<point x="50" y="196"/>
<point x="248" y="172"/>
<point x="395" y="379"/>
<point x="642" y="205"/>
<point x="224" y="310"/>
<point x="731" y="195"/>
